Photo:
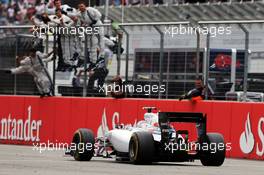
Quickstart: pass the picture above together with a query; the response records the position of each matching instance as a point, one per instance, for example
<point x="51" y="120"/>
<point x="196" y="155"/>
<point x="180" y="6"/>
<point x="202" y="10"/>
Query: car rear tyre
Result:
<point x="83" y="141"/>
<point x="141" y="148"/>
<point x="215" y="155"/>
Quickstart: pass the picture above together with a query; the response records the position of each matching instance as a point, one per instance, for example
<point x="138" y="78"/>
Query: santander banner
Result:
<point x="28" y="120"/>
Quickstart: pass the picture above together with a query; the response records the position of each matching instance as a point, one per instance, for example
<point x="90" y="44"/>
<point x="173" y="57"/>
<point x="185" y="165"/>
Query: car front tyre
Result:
<point x="83" y="141"/>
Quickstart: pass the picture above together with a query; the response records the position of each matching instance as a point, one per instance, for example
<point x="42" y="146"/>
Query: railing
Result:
<point x="154" y="55"/>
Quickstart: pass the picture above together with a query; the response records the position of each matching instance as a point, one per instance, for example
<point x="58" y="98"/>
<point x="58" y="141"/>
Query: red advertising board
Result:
<point x="27" y="120"/>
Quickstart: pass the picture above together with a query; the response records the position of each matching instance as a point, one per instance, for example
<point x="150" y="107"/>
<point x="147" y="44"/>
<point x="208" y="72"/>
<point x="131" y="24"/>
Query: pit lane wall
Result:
<point x="26" y="120"/>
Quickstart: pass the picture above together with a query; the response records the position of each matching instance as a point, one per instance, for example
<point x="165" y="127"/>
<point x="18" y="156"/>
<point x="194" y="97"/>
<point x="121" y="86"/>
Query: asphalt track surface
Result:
<point x="25" y="160"/>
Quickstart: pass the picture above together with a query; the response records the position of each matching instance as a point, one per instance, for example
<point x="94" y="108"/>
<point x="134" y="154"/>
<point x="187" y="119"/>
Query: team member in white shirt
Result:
<point x="91" y="17"/>
<point x="64" y="38"/>
<point x="70" y="45"/>
<point x="61" y="20"/>
<point x="66" y="9"/>
<point x="34" y="65"/>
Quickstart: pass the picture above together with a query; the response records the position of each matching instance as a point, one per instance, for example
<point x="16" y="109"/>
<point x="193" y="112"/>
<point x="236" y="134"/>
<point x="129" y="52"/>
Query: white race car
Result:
<point x="153" y="139"/>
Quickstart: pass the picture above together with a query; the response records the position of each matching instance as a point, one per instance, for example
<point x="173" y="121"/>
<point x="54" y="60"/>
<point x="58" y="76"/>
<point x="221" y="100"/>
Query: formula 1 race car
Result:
<point x="153" y="139"/>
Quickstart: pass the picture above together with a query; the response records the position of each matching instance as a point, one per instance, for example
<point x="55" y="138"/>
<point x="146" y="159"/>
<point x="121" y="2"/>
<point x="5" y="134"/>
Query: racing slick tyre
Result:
<point x="84" y="144"/>
<point x="141" y="148"/>
<point x="215" y="154"/>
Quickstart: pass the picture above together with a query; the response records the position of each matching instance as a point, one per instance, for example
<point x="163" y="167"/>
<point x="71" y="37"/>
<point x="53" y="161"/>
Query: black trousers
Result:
<point x="100" y="75"/>
<point x="60" y="55"/>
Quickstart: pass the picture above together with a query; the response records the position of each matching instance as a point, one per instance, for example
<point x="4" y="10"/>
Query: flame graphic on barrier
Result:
<point x="103" y="128"/>
<point x="247" y="138"/>
<point x="115" y="120"/>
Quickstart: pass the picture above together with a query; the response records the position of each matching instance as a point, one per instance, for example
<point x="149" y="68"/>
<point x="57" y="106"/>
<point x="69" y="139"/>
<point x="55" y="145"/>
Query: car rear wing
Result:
<point x="182" y="117"/>
<point x="165" y="118"/>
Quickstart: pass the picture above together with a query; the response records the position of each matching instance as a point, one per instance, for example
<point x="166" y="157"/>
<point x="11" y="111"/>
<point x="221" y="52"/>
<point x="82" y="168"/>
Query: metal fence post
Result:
<point x="119" y="55"/>
<point x="207" y="65"/>
<point x="167" y="76"/>
<point x="46" y="46"/>
<point x="54" y="63"/>
<point x="47" y="43"/>
<point x="245" y="84"/>
<point x="85" y="65"/>
<point x="127" y="52"/>
<point x="15" y="77"/>
<point x="106" y="20"/>
<point x="161" y="57"/>
<point x="106" y="9"/>
<point x="198" y="54"/>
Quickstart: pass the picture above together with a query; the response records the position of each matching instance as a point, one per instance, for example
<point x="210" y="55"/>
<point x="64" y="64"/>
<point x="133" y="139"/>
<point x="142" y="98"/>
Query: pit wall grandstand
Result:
<point x="28" y="120"/>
